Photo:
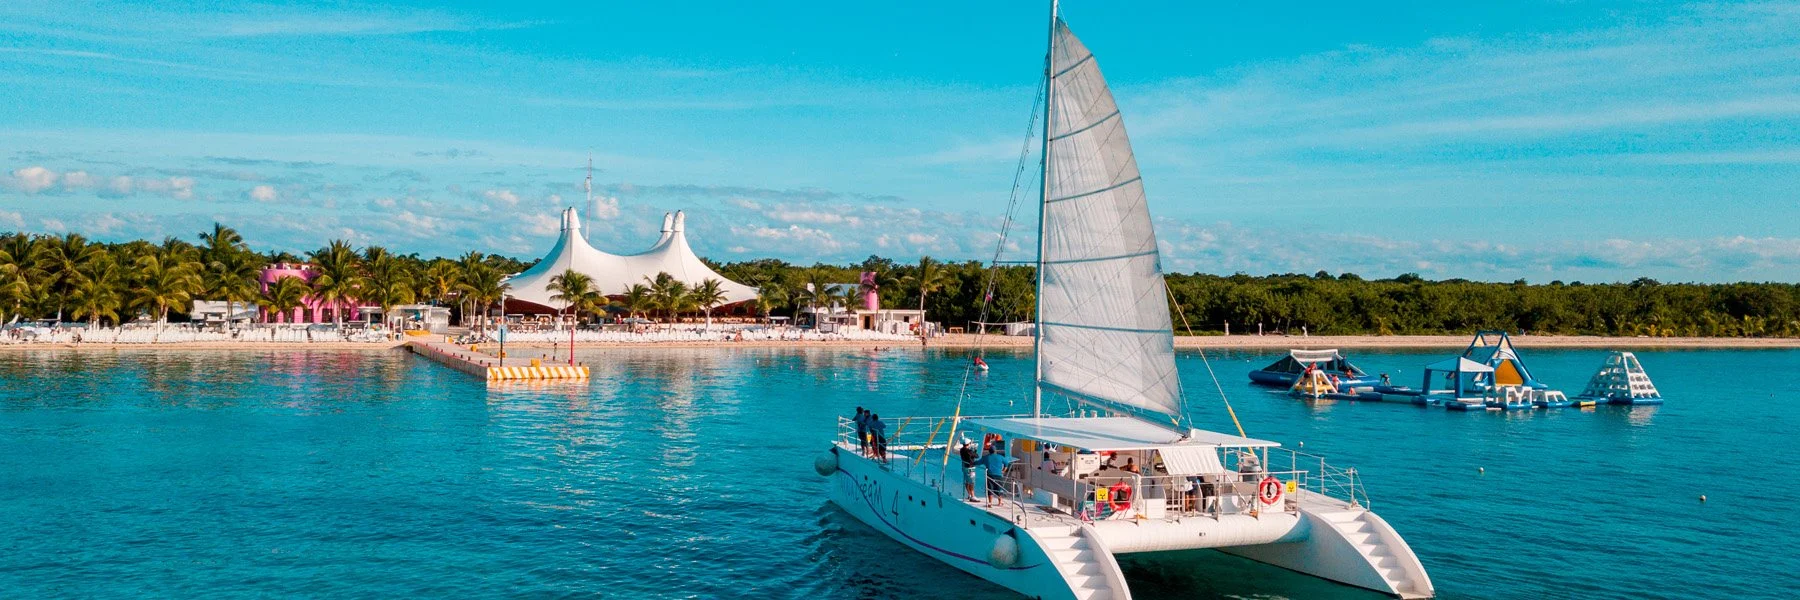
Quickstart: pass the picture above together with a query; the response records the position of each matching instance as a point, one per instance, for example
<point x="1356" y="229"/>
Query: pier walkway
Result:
<point x="489" y="367"/>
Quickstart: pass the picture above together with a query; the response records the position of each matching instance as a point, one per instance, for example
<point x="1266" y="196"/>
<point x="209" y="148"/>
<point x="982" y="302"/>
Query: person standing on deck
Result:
<point x="996" y="462"/>
<point x="969" y="458"/>
<point x="878" y="436"/>
<point x="862" y="430"/>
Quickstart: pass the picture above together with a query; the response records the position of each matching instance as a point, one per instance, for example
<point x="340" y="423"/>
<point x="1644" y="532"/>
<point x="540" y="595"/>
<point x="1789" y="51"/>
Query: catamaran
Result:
<point x="1107" y="462"/>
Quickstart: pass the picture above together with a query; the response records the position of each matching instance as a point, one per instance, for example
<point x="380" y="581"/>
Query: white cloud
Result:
<point x="33" y="179"/>
<point x="117" y="186"/>
<point x="501" y="197"/>
<point x="541" y="224"/>
<point x="12" y="219"/>
<point x="179" y="188"/>
<point x="263" y="193"/>
<point x="75" y="180"/>
<point x="604" y="208"/>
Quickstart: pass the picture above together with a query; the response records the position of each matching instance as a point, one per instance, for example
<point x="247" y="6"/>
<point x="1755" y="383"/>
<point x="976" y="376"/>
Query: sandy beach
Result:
<point x="998" y="341"/>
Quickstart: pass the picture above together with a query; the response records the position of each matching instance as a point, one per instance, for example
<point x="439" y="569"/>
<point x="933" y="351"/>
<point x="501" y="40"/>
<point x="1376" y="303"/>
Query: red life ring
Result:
<point x="1120" y="496"/>
<point x="1269" y="491"/>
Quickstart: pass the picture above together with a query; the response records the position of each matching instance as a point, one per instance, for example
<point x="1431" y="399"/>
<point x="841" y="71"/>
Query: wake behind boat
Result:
<point x="1123" y="470"/>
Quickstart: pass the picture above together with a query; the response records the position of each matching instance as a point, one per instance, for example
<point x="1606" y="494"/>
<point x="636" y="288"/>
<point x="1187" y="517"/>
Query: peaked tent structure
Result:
<point x="612" y="273"/>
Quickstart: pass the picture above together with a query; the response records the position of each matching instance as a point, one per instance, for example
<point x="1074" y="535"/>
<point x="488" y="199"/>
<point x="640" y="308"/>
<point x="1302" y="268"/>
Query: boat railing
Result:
<point x="1215" y="495"/>
<point x="921" y="443"/>
<point x="1321" y="477"/>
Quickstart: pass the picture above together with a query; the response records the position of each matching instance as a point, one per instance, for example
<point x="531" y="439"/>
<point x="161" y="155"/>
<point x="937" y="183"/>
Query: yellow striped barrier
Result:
<point x="513" y="373"/>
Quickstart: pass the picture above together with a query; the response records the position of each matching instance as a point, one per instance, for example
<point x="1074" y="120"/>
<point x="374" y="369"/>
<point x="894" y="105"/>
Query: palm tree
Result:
<point x="931" y="277"/>
<point x="575" y="290"/>
<point x="708" y="294"/>
<point x="669" y="294"/>
<point x="96" y="295"/>
<point x="636" y="300"/>
<point x="234" y="277"/>
<point x="769" y="298"/>
<point x="16" y="272"/>
<point x="338" y="280"/>
<point x="63" y="260"/>
<point x="164" y="281"/>
<point x="814" y="290"/>
<point x="222" y="242"/>
<point x="285" y="294"/>
<point x="482" y="286"/>
<point x="386" y="282"/>
<point x="441" y="281"/>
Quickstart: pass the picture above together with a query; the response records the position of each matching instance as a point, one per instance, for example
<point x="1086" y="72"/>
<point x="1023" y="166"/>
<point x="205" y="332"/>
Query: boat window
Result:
<point x="988" y="528"/>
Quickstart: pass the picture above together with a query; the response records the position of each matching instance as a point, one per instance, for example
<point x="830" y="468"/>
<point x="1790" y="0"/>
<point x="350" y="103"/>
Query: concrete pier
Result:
<point x="488" y="367"/>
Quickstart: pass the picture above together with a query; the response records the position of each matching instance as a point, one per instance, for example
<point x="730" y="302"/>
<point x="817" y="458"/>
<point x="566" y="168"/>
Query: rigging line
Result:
<point x="1205" y="361"/>
<point x="1012" y="204"/>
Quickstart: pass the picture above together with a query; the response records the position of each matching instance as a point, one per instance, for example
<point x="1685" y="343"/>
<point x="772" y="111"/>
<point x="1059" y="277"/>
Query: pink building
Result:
<point x="309" y="307"/>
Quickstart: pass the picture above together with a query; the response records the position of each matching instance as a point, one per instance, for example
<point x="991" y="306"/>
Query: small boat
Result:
<point x="1621" y="380"/>
<point x="980" y="365"/>
<point x="1284" y="372"/>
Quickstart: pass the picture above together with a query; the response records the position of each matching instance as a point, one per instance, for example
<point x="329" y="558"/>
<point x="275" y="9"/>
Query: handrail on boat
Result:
<point x="1309" y="472"/>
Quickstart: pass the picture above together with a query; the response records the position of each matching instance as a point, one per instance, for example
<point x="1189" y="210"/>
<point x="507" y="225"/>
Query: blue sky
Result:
<point x="1537" y="140"/>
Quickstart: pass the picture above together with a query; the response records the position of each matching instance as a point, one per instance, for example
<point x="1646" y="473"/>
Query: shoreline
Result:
<point x="970" y="341"/>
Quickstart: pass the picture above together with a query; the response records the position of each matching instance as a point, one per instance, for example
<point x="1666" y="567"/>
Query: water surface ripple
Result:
<point x="687" y="473"/>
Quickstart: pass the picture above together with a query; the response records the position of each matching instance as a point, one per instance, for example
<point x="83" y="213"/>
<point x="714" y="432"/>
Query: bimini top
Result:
<point x="1108" y="433"/>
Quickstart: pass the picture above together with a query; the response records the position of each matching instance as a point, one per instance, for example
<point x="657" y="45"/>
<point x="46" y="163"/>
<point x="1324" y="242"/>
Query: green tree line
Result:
<point x="71" y="278"/>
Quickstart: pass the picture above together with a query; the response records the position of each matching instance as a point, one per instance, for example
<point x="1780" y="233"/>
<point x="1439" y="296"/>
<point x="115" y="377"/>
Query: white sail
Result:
<point x="1103" y="315"/>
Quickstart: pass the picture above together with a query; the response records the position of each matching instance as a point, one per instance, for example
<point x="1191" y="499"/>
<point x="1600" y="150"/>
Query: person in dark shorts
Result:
<point x="969" y="458"/>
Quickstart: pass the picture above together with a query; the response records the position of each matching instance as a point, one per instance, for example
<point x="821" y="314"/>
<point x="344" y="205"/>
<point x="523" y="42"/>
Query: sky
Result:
<point x="1542" y="140"/>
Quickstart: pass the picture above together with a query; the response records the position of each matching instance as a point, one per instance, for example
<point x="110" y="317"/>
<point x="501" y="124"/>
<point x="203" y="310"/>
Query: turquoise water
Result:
<point x="687" y="473"/>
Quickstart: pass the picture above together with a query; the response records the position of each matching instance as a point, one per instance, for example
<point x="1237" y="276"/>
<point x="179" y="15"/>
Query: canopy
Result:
<point x="1108" y="433"/>
<point x="1191" y="460"/>
<point x="1315" y="356"/>
<point x="614" y="273"/>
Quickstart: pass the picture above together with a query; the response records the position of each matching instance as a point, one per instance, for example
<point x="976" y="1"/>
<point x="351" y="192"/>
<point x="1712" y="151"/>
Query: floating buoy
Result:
<point x="1302" y="444"/>
<point x="1480" y="469"/>
<point x="1703" y="497"/>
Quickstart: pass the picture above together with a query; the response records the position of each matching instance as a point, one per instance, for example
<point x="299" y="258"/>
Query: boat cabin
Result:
<point x="1125" y="468"/>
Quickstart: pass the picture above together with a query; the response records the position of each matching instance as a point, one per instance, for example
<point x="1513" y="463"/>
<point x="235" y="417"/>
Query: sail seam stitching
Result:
<point x="1100" y="327"/>
<point x="1078" y="63"/>
<point x="1097" y="123"/>
<point x="1098" y="191"/>
<point x="1099" y="258"/>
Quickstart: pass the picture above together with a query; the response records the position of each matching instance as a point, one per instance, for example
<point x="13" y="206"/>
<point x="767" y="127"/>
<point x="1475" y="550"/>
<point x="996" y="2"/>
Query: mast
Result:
<point x="1037" y="313"/>
<point x="587" y="185"/>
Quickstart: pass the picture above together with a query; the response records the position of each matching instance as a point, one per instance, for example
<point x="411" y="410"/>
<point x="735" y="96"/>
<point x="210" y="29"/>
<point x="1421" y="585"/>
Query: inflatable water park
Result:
<point x="1489" y="375"/>
<point x="1285" y="372"/>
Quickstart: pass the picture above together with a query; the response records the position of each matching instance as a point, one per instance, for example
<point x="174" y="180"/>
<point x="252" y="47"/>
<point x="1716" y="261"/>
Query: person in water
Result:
<point x="969" y="458"/>
<point x="996" y="462"/>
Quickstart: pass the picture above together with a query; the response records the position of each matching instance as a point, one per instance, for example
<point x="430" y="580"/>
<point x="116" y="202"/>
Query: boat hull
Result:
<point x="943" y="527"/>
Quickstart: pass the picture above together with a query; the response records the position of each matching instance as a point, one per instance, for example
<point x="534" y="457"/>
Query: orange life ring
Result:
<point x="1269" y="491"/>
<point x="1119" y="497"/>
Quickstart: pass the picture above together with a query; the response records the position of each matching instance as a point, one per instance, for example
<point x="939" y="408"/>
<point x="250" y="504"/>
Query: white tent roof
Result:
<point x="612" y="273"/>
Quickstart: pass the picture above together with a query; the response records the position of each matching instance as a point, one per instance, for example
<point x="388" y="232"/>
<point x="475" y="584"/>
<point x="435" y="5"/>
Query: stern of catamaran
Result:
<point x="1121" y="479"/>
